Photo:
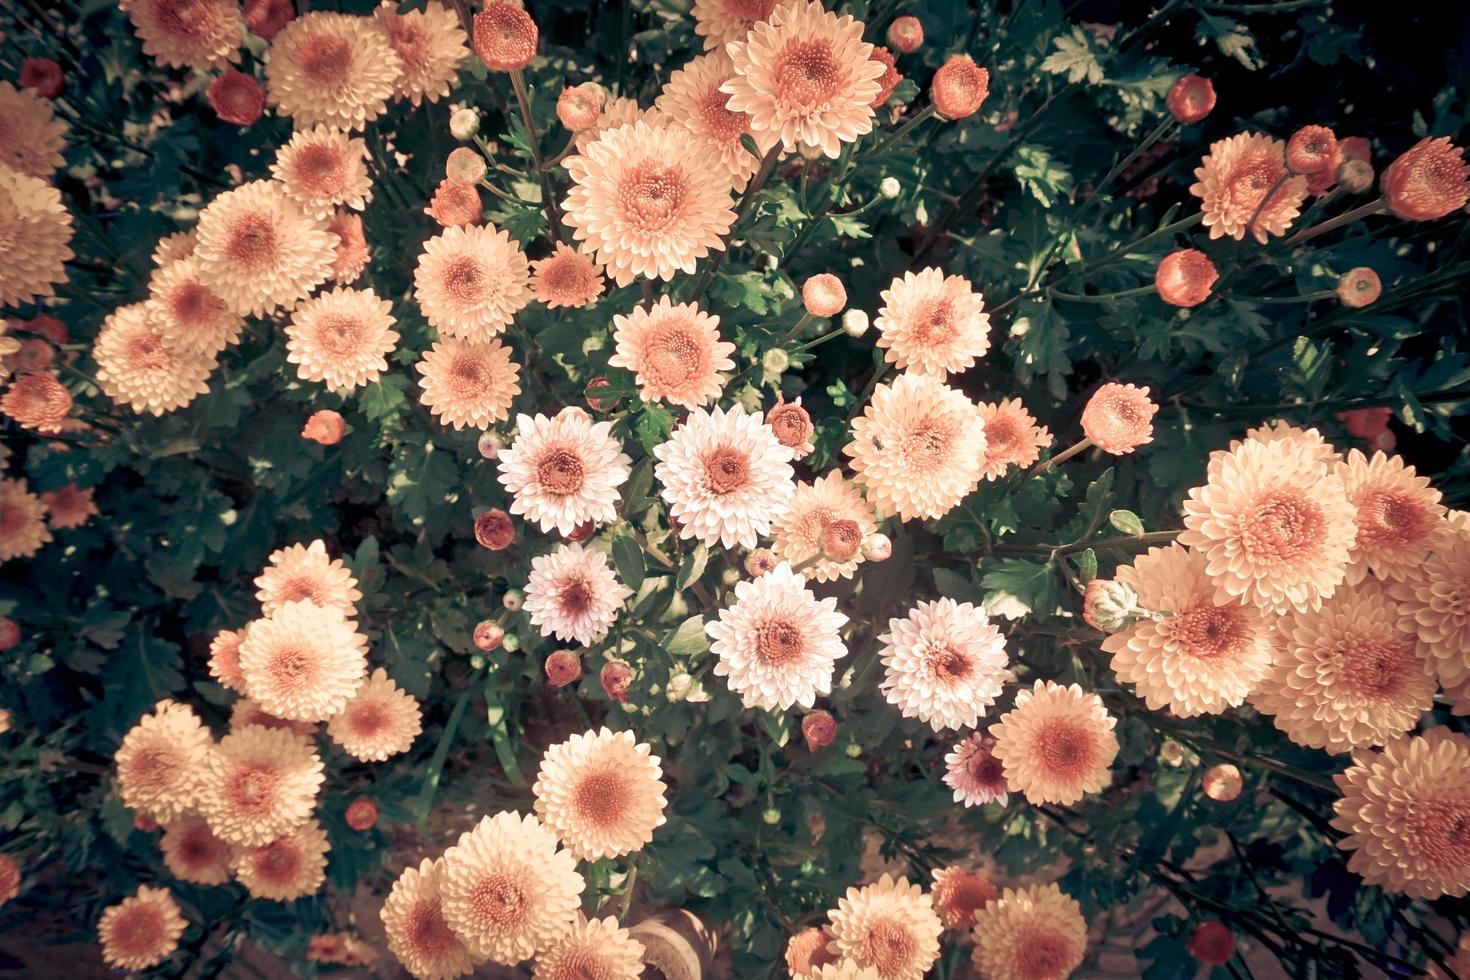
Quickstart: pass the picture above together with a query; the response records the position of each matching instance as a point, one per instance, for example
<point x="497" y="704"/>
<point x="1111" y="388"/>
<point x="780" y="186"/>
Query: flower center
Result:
<point x="726" y="470"/>
<point x="410" y="44"/>
<point x="560" y="472"/>
<point x="1372" y="667"/>
<point x="253" y="787"/>
<point x="1001" y="437"/>
<point x="1040" y="954"/>
<point x="926" y="446"/>
<point x="565" y="276"/>
<point x="651" y="196"/>
<point x="184" y="18"/>
<point x="369" y="719"/>
<point x="146" y="352"/>
<point x="600" y="798"/>
<point x="319" y="169"/>
<point x="806" y="74"/>
<point x="339" y="335"/>
<point x="197" y="848"/>
<point x="293" y="669"/>
<point x="191" y="302"/>
<point x="985" y="769"/>
<point x="576" y="597"/>
<point x="302" y="588"/>
<point x="777" y="643"/>
<point x="464" y="279"/>
<point x="1208" y="630"/>
<point x="326" y="59"/>
<point x="948" y="665"/>
<point x="719" y="121"/>
<point x="1389" y="518"/>
<point x="427" y="930"/>
<point x="1282" y="526"/>
<point x="579" y="964"/>
<point x="1441" y="828"/>
<point x="153" y="768"/>
<point x="138" y="930"/>
<point x="500" y="900"/>
<point x="279" y="862"/>
<point x="1064" y="748"/>
<point x="468" y="376"/>
<point x="672" y="355"/>
<point x="252" y="241"/>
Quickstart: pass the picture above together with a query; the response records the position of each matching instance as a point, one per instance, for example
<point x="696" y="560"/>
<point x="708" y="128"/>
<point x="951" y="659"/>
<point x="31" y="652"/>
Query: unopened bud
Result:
<point x="362" y="814"/>
<point x="775" y="361"/>
<point x="562" y="668"/>
<point x="1355" y="176"/>
<point x="616" y="677"/>
<point x="513" y="600"/>
<point x="600" y="404"/>
<point x="1109" y="605"/>
<point x="1171" y="752"/>
<point x="494" y="530"/>
<point x="819" y="728"/>
<point x="771" y="815"/>
<point x="464" y="124"/>
<point x="488" y="636"/>
<point x="759" y="562"/>
<point x="841" y="540"/>
<point x="490" y="445"/>
<point x="511" y="643"/>
<point x="877" y="547"/>
<point x="889" y="187"/>
<point x="855" y="323"/>
<point x="1223" y="783"/>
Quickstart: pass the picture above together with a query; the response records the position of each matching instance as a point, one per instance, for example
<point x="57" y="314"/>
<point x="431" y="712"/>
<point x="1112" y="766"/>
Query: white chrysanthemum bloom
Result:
<point x="1435" y="605"/>
<point x="163" y="762"/>
<point x="430" y="44"/>
<point x="725" y="477"/>
<point x="615" y="114"/>
<point x="471" y="281"/>
<point x="1310" y="441"/>
<point x="944" y="664"/>
<point x="23" y="529"/>
<point x="192" y="853"/>
<point x="890" y="926"/>
<point x="1031" y="933"/>
<point x="173" y="247"/>
<point x="931" y="323"/>
<point x="341" y="338"/>
<point x="188" y="315"/>
<point x="692" y="98"/>
<point x="31" y="137"/>
<point x="1056" y="744"/>
<point x="202" y="34"/>
<point x="137" y="368"/>
<point x="35" y="238"/>
<point x="413" y="918"/>
<point x="1400" y="517"/>
<point x="777" y="643"/>
<point x="807" y="79"/>
<point x="601" y="793"/>
<point x="595" y="948"/>
<point x="262" y="784"/>
<point x="675" y="352"/>
<point x="331" y="69"/>
<point x="973" y="772"/>
<point x="306" y="573"/>
<point x="1274" y="523"/>
<point x="508" y="890"/>
<point x="721" y="21"/>
<point x="1196" y="656"/>
<point x="468" y="384"/>
<point x="564" y="471"/>
<point x="802" y="532"/>
<point x="141" y="931"/>
<point x="321" y="168"/>
<point x="1236" y="176"/>
<point x="303" y="662"/>
<point x="644" y="202"/>
<point x="259" y="252"/>
<point x="379" y="721"/>
<point x="919" y="447"/>
<point x="288" y="868"/>
<point x="574" y="594"/>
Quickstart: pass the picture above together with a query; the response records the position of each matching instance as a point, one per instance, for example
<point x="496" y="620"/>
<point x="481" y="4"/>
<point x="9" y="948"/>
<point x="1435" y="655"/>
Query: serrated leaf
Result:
<point x="1015" y="587"/>
<point x="1074" y="58"/>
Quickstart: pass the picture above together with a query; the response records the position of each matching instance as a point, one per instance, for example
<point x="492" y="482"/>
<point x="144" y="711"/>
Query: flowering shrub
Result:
<point x="878" y="492"/>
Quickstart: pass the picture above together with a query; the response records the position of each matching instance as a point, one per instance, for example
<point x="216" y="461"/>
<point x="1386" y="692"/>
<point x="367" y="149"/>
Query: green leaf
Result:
<point x="384" y="397"/>
<point x="1016" y="587"/>
<point x="692" y="567"/>
<point x="1126" y="521"/>
<point x="628" y="558"/>
<point x="1074" y="58"/>
<point x="688" y="638"/>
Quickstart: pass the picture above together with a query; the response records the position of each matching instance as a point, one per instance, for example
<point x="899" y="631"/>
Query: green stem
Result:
<point x="806" y="317"/>
<point x="1128" y="541"/>
<point x="1347" y="217"/>
<point x="441" y="753"/>
<point x="1060" y="457"/>
<point x="518" y="82"/>
<point x="627" y="901"/>
<point x="1303" y="298"/>
<point x="908" y="127"/>
<point x="1102" y="297"/>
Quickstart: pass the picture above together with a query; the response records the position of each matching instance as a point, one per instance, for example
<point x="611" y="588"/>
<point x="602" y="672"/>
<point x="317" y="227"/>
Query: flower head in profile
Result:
<point x="1012" y="437"/>
<point x="573" y="594"/>
<point x="332" y="69"/>
<point x="693" y="98"/>
<point x="430" y="45"/>
<point x="566" y="278"/>
<point x="287" y="868"/>
<point x="31" y="137"/>
<point x="1191" y="99"/>
<point x="1236" y="176"/>
<point x="192" y="853"/>
<point x="259" y="252"/>
<point x="1119" y="418"/>
<point x="142" y="930"/>
<point x="931" y="323"/>
<point x="1429" y="180"/>
<point x="471" y="282"/>
<point x="413" y="917"/>
<point x="380" y="720"/>
<point x="944" y="663"/>
<point x="888" y="81"/>
<point x="579" y="106"/>
<point x="601" y="793"/>
<point x="1056" y="744"/>
<point x="341" y="337"/>
<point x="163" y="762"/>
<point x="594" y="948"/>
<point x="466" y="383"/>
<point x="1031" y="933"/>
<point x="224" y="660"/>
<point x="564" y="471"/>
<point x="306" y="573"/>
<point x="505" y="36"/>
<point x="974" y="773"/>
<point x="262" y="784"/>
<point x="958" y="894"/>
<point x="202" y="34"/>
<point x="675" y="352"/>
<point x="350" y="255"/>
<point x="793" y="427"/>
<point x="237" y="98"/>
<point x="455" y="204"/>
<point x="1434" y="605"/>
<point x="1184" y="277"/>
<point x="807" y="951"/>
<point x="1399" y="516"/>
<point x="23" y="528"/>
<point x="815" y="507"/>
<point x="188" y="314"/>
<point x="322" y="168"/>
<point x="39" y="402"/>
<point x="890" y="926"/>
<point x="35" y="236"/>
<point x="960" y="87"/>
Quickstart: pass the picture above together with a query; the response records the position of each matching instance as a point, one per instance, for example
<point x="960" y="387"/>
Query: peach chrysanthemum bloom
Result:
<point x="350" y="255"/>
<point x="163" y="762"/>
<point x="573" y="594"/>
<point x="888" y="81"/>
<point x="721" y="21"/>
<point x="31" y="137"/>
<point x="807" y="950"/>
<point x="471" y="282"/>
<point x="1312" y="150"/>
<point x="564" y="471"/>
<point x="931" y="323"/>
<point x="793" y="427"/>
<point x="777" y="643"/>
<point x="1119" y="418"/>
<point x="341" y="338"/>
<point x="944" y="663"/>
<point x="469" y="384"/>
<point x="1435" y="605"/>
<point x="1400" y="517"/>
<point x="844" y="970"/>
<point x="974" y="773"/>
<point x="262" y="784"/>
<point x="9" y="878"/>
<point x="259" y="252"/>
<point x="644" y="202"/>
<point x="1429" y="180"/>
<point x="1031" y="933"/>
<point x="324" y="427"/>
<point x="1056" y="744"/>
<point x="890" y="926"/>
<point x="202" y="34"/>
<point x="595" y="948"/>
<point x="1184" y="277"/>
<point x="413" y="917"/>
<point x="919" y="447"/>
<point x="806" y="78"/>
<point x="505" y="36"/>
<point x="509" y="890"/>
<point x="1274" y="523"/>
<point x="303" y="662"/>
<point x="142" y="930"/>
<point x="601" y="793"/>
<point x="321" y="168"/>
<point x="1191" y="99"/>
<point x="1012" y="437"/>
<point x="1197" y="655"/>
<point x="958" y="894"/>
<point x="616" y="114"/>
<point x="813" y="509"/>
<point x="466" y="165"/>
<point x="188" y="315"/>
<point x="580" y="106"/>
<point x="331" y="69"/>
<point x="379" y="721"/>
<point x="173" y="247"/>
<point x="1235" y="177"/>
<point x="37" y="401"/>
<point x="693" y="98"/>
<point x="224" y="659"/>
<point x="823" y="295"/>
<point x="430" y="44"/>
<point x="1347" y="675"/>
<point x="1404" y="810"/>
<point x="455" y="204"/>
<point x="725" y="477"/>
<point x="288" y="868"/>
<point x="22" y="521"/>
<point x="35" y="238"/>
<point x="959" y="88"/>
<point x="237" y="97"/>
<point x="69" y="507"/>
<point x="192" y="853"/>
<point x="306" y="573"/>
<point x="1309" y="440"/>
<point x="566" y="278"/>
<point x="674" y="352"/>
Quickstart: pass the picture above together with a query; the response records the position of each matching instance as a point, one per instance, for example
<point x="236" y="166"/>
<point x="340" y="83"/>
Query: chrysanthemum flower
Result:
<point x="258" y="251"/>
<point x="674" y="352"/>
<point x="888" y="81"/>
<point x="324" y="427"/>
<point x="332" y="69"/>
<point x="22" y="521"/>
<point x="35" y="237"/>
<point x="597" y="948"/>
<point x="564" y="471"/>
<point x="262" y="785"/>
<point x="1119" y="418"/>
<point x="777" y="643"/>
<point x="193" y="854"/>
<point x="142" y="930"/>
<point x="380" y="720"/>
<point x="471" y="282"/>
<point x="814" y="507"/>
<point x="844" y="970"/>
<point x="617" y="113"/>
<point x="237" y="98"/>
<point x="303" y="662"/>
<point x="1309" y="441"/>
<point x="287" y="868"/>
<point x="1405" y="810"/>
<point x="1400" y="517"/>
<point x="960" y="87"/>
<point x="693" y="98"/>
<point x="1358" y="287"/>
<point x="321" y="168"/>
<point x="573" y="594"/>
<point x="807" y="950"/>
<point x="823" y="295"/>
<point x="566" y="278"/>
<point x="944" y="663"/>
<point x="1435" y="605"/>
<point x="188" y="315"/>
<point x="163" y="762"/>
<point x="43" y="75"/>
<point x="1200" y="655"/>
<point x="601" y="793"/>
<point x="931" y="323"/>
<point x="37" y="401"/>
<point x="136" y="367"/>
<point x="173" y="247"/>
<point x="469" y="384"/>
<point x="890" y="926"/>
<point x="806" y="78"/>
<point x="1012" y="437"/>
<point x="202" y="34"/>
<point x="1429" y="180"/>
<point x="974" y="773"/>
<point x="579" y="106"/>
<point x="350" y="255"/>
<point x="1031" y="933"/>
<point x="721" y="21"/>
<point x="69" y="507"/>
<point x="224" y="659"/>
<point x="1275" y="524"/>
<point x="509" y="891"/>
<point x="430" y="44"/>
<point x="455" y="204"/>
<point x="306" y="573"/>
<point x="505" y="36"/>
<point x="1191" y="99"/>
<point x="724" y="476"/>
<point x="413" y="917"/>
<point x="1056" y="744"/>
<point x="31" y="137"/>
<point x="919" y="447"/>
<point x="465" y="165"/>
<point x="341" y="338"/>
<point x="1184" y="277"/>
<point x="792" y="426"/>
<point x="958" y="894"/>
<point x="643" y="201"/>
<point x="1236" y="176"/>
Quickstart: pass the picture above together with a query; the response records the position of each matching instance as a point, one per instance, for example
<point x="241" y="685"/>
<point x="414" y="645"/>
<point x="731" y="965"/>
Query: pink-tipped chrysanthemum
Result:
<point x="1236" y="176"/>
<point x="721" y="21"/>
<point x="931" y="323"/>
<point x="331" y="69"/>
<point x="806" y="78"/>
<point x="142" y="930"/>
<point x="163" y="762"/>
<point x="1056" y="744"/>
<point x="890" y="926"/>
<point x="1429" y="180"/>
<point x="322" y="168"/>
<point x="192" y="853"/>
<point x="725" y="477"/>
<point x="69" y="507"/>
<point x="574" y="594"/>
<point x="1400" y="517"/>
<point x="22" y="521"/>
<point x="31" y="137"/>
<point x="601" y="793"/>
<point x="919" y="447"/>
<point x="288" y="868"/>
<point x="1031" y="933"/>
<point x="777" y="643"/>
<point x="1119" y="418"/>
<point x="237" y="98"/>
<point x="303" y="661"/>
<point x="138" y="368"/>
<point x="430" y="44"/>
<point x="675" y="352"/>
<point x="456" y="204"/>
<point x="263" y="784"/>
<point x="259" y="252"/>
<point x="693" y="98"/>
<point x="1012" y="437"/>
<point x="350" y="255"/>
<point x="306" y="573"/>
<point x="380" y="720"/>
<point x="804" y="531"/>
<point x="595" y="948"/>
<point x="202" y="34"/>
<point x="958" y="894"/>
<point x="1435" y="605"/>
<point x="944" y="663"/>
<point x="467" y="383"/>
<point x="35" y="238"/>
<point x="566" y="278"/>
<point x="973" y="772"/>
<point x="224" y="659"/>
<point x="564" y="471"/>
<point x="341" y="338"/>
<point x="189" y="315"/>
<point x="413" y="917"/>
<point x="39" y="402"/>
<point x="471" y="281"/>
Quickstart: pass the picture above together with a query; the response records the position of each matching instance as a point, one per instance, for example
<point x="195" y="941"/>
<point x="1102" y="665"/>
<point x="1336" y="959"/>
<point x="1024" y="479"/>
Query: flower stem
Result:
<point x="1250" y="226"/>
<point x="1303" y="298"/>
<point x="1129" y="541"/>
<point x="1060" y="457"/>
<point x="791" y="334"/>
<point x="627" y="901"/>
<point x="1347" y="217"/>
<point x="905" y="129"/>
<point x="518" y="82"/>
<point x="821" y="340"/>
<point x="1102" y="297"/>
